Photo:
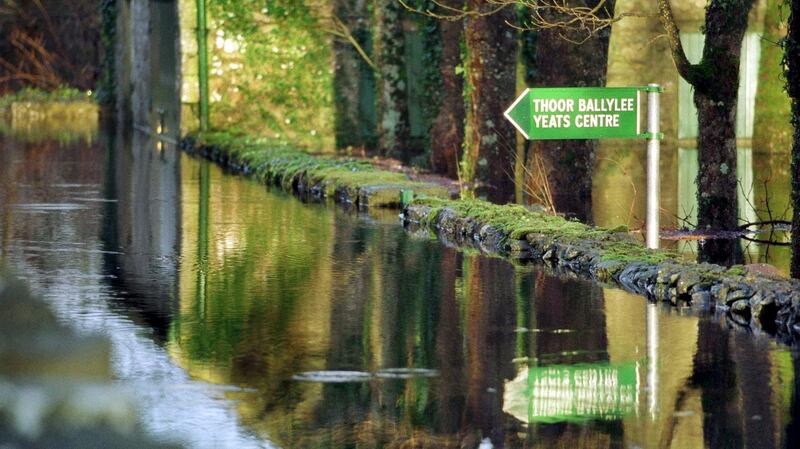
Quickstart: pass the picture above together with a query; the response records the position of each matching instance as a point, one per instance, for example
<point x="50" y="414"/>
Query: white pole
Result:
<point x="653" y="156"/>
<point x="652" y="359"/>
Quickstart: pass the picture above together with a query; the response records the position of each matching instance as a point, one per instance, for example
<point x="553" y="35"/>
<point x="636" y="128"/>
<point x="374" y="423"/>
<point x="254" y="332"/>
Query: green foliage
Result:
<point x="270" y="69"/>
<point x="431" y="98"/>
<point x="34" y="95"/>
<point x="772" y="128"/>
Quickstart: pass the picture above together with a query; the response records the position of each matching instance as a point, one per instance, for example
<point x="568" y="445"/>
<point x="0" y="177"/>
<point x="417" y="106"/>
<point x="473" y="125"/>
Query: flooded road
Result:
<point x="242" y="317"/>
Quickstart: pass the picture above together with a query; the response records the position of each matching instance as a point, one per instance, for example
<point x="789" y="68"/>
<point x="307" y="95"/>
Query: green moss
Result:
<point x="278" y="163"/>
<point x="517" y="222"/>
<point x="628" y="252"/>
<point x="736" y="270"/>
<point x="33" y="95"/>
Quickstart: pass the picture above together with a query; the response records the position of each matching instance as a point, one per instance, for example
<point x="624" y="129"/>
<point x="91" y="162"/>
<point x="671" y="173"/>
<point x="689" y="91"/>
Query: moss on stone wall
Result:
<point x="274" y="163"/>
<point x="517" y="222"/>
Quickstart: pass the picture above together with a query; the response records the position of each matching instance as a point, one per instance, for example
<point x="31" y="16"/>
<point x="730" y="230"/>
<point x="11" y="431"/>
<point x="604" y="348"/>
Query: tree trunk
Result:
<point x="447" y="132"/>
<point x="353" y="80"/>
<point x="716" y="177"/>
<point x="492" y="56"/>
<point x="716" y="101"/>
<point x="716" y="83"/>
<point x="716" y="108"/>
<point x="792" y="65"/>
<point x="393" y="126"/>
<point x="568" y="164"/>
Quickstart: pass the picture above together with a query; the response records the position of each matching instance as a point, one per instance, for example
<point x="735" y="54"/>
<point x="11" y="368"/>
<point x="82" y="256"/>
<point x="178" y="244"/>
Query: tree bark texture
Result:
<point x="570" y="58"/>
<point x="491" y="314"/>
<point x="716" y="107"/>
<point x="492" y="55"/>
<point x="792" y="67"/>
<point x="393" y="126"/>
<point x="447" y="132"/>
<point x="714" y="375"/>
<point x="352" y="78"/>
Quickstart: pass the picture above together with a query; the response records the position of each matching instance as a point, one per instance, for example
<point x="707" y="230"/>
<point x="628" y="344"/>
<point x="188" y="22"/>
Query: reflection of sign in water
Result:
<point x="573" y="392"/>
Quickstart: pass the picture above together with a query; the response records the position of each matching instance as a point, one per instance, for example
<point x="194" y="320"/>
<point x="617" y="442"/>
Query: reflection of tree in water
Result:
<point x="384" y="315"/>
<point x="142" y="193"/>
<point x="715" y="374"/>
<point x="450" y="394"/>
<point x="343" y="405"/>
<point x="490" y="319"/>
<point x="792" y="431"/>
<point x="724" y="252"/>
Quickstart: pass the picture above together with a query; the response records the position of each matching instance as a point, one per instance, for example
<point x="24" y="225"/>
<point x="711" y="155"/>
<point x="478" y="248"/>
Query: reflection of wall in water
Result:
<point x="145" y="228"/>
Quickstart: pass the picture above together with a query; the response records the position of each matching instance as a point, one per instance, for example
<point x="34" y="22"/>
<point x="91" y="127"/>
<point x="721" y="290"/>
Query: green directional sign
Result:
<point x="577" y="113"/>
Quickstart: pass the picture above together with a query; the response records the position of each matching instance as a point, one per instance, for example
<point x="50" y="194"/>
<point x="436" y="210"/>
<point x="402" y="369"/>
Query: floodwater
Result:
<point x="243" y="317"/>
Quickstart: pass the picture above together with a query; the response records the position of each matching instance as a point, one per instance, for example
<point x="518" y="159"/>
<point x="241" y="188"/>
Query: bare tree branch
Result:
<point x="340" y="30"/>
<point x="542" y="14"/>
<point x="687" y="70"/>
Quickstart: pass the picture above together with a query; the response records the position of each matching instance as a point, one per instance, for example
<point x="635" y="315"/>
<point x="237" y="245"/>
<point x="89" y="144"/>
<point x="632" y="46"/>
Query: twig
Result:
<point x="342" y="31"/>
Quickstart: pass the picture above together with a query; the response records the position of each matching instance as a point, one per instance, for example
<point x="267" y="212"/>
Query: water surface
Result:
<point x="242" y="317"/>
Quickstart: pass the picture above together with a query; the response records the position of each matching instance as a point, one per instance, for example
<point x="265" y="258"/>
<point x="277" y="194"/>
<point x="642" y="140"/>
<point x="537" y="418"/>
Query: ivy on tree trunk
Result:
<point x="393" y="125"/>
<point x="791" y="46"/>
<point x="715" y="81"/>
<point x="491" y="61"/>
<point x="353" y="78"/>
<point x="447" y="132"/>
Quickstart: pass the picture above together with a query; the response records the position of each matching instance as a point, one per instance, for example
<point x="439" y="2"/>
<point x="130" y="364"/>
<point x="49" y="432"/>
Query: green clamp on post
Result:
<point x="648" y="135"/>
<point x="652" y="88"/>
<point x="406" y="196"/>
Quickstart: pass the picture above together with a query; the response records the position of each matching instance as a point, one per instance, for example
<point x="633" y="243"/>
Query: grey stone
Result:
<point x="741" y="307"/>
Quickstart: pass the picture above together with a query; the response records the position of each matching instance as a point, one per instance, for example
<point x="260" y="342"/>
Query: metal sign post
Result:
<point x="566" y="113"/>
<point x="653" y="159"/>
